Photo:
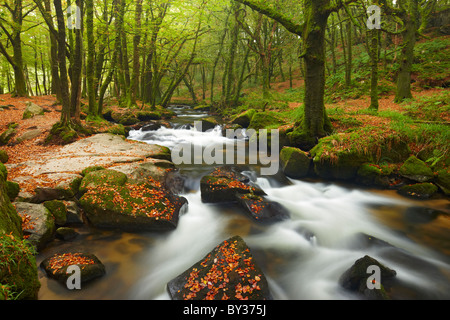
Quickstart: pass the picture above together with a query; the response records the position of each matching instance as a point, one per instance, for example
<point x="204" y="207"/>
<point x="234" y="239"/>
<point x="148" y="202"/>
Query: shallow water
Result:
<point x="302" y="257"/>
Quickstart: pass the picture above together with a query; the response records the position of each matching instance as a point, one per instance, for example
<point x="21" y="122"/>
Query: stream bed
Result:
<point x="302" y="257"/>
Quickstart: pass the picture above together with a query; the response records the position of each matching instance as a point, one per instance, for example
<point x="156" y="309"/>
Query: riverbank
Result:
<point x="145" y="263"/>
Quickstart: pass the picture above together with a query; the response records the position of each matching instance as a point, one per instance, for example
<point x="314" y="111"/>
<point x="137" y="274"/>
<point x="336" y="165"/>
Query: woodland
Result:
<point x="358" y="90"/>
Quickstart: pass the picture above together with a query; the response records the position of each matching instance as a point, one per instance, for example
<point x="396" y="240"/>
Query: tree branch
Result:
<point x="275" y="15"/>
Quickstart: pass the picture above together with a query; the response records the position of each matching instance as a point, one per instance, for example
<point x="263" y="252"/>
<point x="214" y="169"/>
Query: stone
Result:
<point x="59" y="211"/>
<point x="224" y="183"/>
<point x="41" y="226"/>
<point x="419" y="190"/>
<point x="29" y="135"/>
<point x="443" y="181"/>
<point x="261" y="209"/>
<point x="243" y="119"/>
<point x="56" y="266"/>
<point x="228" y="272"/>
<point x="294" y="162"/>
<point x="6" y="136"/>
<point x="32" y="110"/>
<point x="355" y="278"/>
<point x="96" y="179"/>
<point x="415" y="169"/>
<point x="4" y="156"/>
<point x="66" y="233"/>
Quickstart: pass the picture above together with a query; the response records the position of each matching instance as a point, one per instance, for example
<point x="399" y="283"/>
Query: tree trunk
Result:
<point x="90" y="63"/>
<point x="406" y="60"/>
<point x="374" y="58"/>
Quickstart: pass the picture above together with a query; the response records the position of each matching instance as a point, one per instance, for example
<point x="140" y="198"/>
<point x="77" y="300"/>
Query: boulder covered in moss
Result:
<point x="115" y="203"/>
<point x="6" y="136"/>
<point x="371" y="174"/>
<point x="243" y="119"/>
<point x="265" y="120"/>
<point x="294" y="162"/>
<point x="96" y="178"/>
<point x="228" y="272"/>
<point x="340" y="156"/>
<point x="355" y="279"/>
<point x="419" y="190"/>
<point x="4" y="156"/>
<point x="58" y="210"/>
<point x="443" y="181"/>
<point x="224" y="183"/>
<point x="32" y="110"/>
<point x="415" y="169"/>
<point x="57" y="265"/>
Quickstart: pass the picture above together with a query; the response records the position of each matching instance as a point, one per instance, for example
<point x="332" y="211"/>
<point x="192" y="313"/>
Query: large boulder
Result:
<point x="443" y="181"/>
<point x="418" y="191"/>
<point x="415" y="169"/>
<point x="226" y="273"/>
<point x="224" y="183"/>
<point x="294" y="162"/>
<point x="371" y="174"/>
<point x="56" y="266"/>
<point x="131" y="207"/>
<point x="341" y="155"/>
<point x="243" y="119"/>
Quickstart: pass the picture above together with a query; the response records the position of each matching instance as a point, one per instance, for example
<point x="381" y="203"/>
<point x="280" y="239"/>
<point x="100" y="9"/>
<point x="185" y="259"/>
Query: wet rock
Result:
<point x="261" y="209"/>
<point x="224" y="183"/>
<point x="3" y="156"/>
<point x="443" y="181"/>
<point x="419" y="190"/>
<point x="206" y="124"/>
<point x="228" y="272"/>
<point x="371" y="174"/>
<point x="59" y="211"/>
<point x="56" y="266"/>
<point x="66" y="233"/>
<point x="355" y="278"/>
<point x="133" y="207"/>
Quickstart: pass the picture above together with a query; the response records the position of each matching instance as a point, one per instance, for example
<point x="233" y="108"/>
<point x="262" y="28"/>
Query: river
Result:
<point x="302" y="257"/>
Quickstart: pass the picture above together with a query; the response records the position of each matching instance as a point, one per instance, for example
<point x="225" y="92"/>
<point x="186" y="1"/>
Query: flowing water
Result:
<point x="302" y="257"/>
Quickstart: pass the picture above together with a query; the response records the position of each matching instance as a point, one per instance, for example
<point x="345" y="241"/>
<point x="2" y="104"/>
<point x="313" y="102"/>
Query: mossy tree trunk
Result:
<point x="16" y="60"/>
<point x="93" y="107"/>
<point x="374" y="59"/>
<point x="315" y="122"/>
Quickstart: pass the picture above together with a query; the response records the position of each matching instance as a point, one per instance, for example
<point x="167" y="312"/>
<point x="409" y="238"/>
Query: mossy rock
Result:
<point x="12" y="189"/>
<point x="32" y="110"/>
<point x="59" y="211"/>
<point x="243" y="119"/>
<point x="66" y="233"/>
<point x="294" y="162"/>
<point x="148" y="115"/>
<point x="10" y="221"/>
<point x="265" y="120"/>
<point x="419" y="190"/>
<point x="91" y="169"/>
<point x="98" y="178"/>
<point x="371" y="174"/>
<point x="443" y="181"/>
<point x="133" y="208"/>
<point x="6" y="136"/>
<point x="18" y="271"/>
<point x="206" y="124"/>
<point x="417" y="170"/>
<point x="3" y="156"/>
<point x="355" y="279"/>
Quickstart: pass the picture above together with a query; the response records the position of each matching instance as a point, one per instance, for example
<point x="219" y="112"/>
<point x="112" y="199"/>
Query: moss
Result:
<point x="6" y="136"/>
<point x="148" y="115"/>
<point x="3" y="156"/>
<point x="443" y="181"/>
<point x="97" y="178"/>
<point x="117" y="129"/>
<point x="12" y="189"/>
<point x="374" y="174"/>
<point x="91" y="169"/>
<point x="10" y="221"/>
<point x="265" y="120"/>
<point x="243" y="119"/>
<point x="416" y="169"/>
<point x="419" y="190"/>
<point x="295" y="163"/>
<point x="18" y="270"/>
<point x="58" y="210"/>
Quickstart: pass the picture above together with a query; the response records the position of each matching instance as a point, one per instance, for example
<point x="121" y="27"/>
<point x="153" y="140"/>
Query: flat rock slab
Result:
<point x="227" y="273"/>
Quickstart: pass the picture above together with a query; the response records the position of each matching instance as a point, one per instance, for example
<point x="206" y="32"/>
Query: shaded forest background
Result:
<point x="225" y="54"/>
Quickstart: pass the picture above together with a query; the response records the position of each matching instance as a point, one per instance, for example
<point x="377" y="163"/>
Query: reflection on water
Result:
<point x="302" y="257"/>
